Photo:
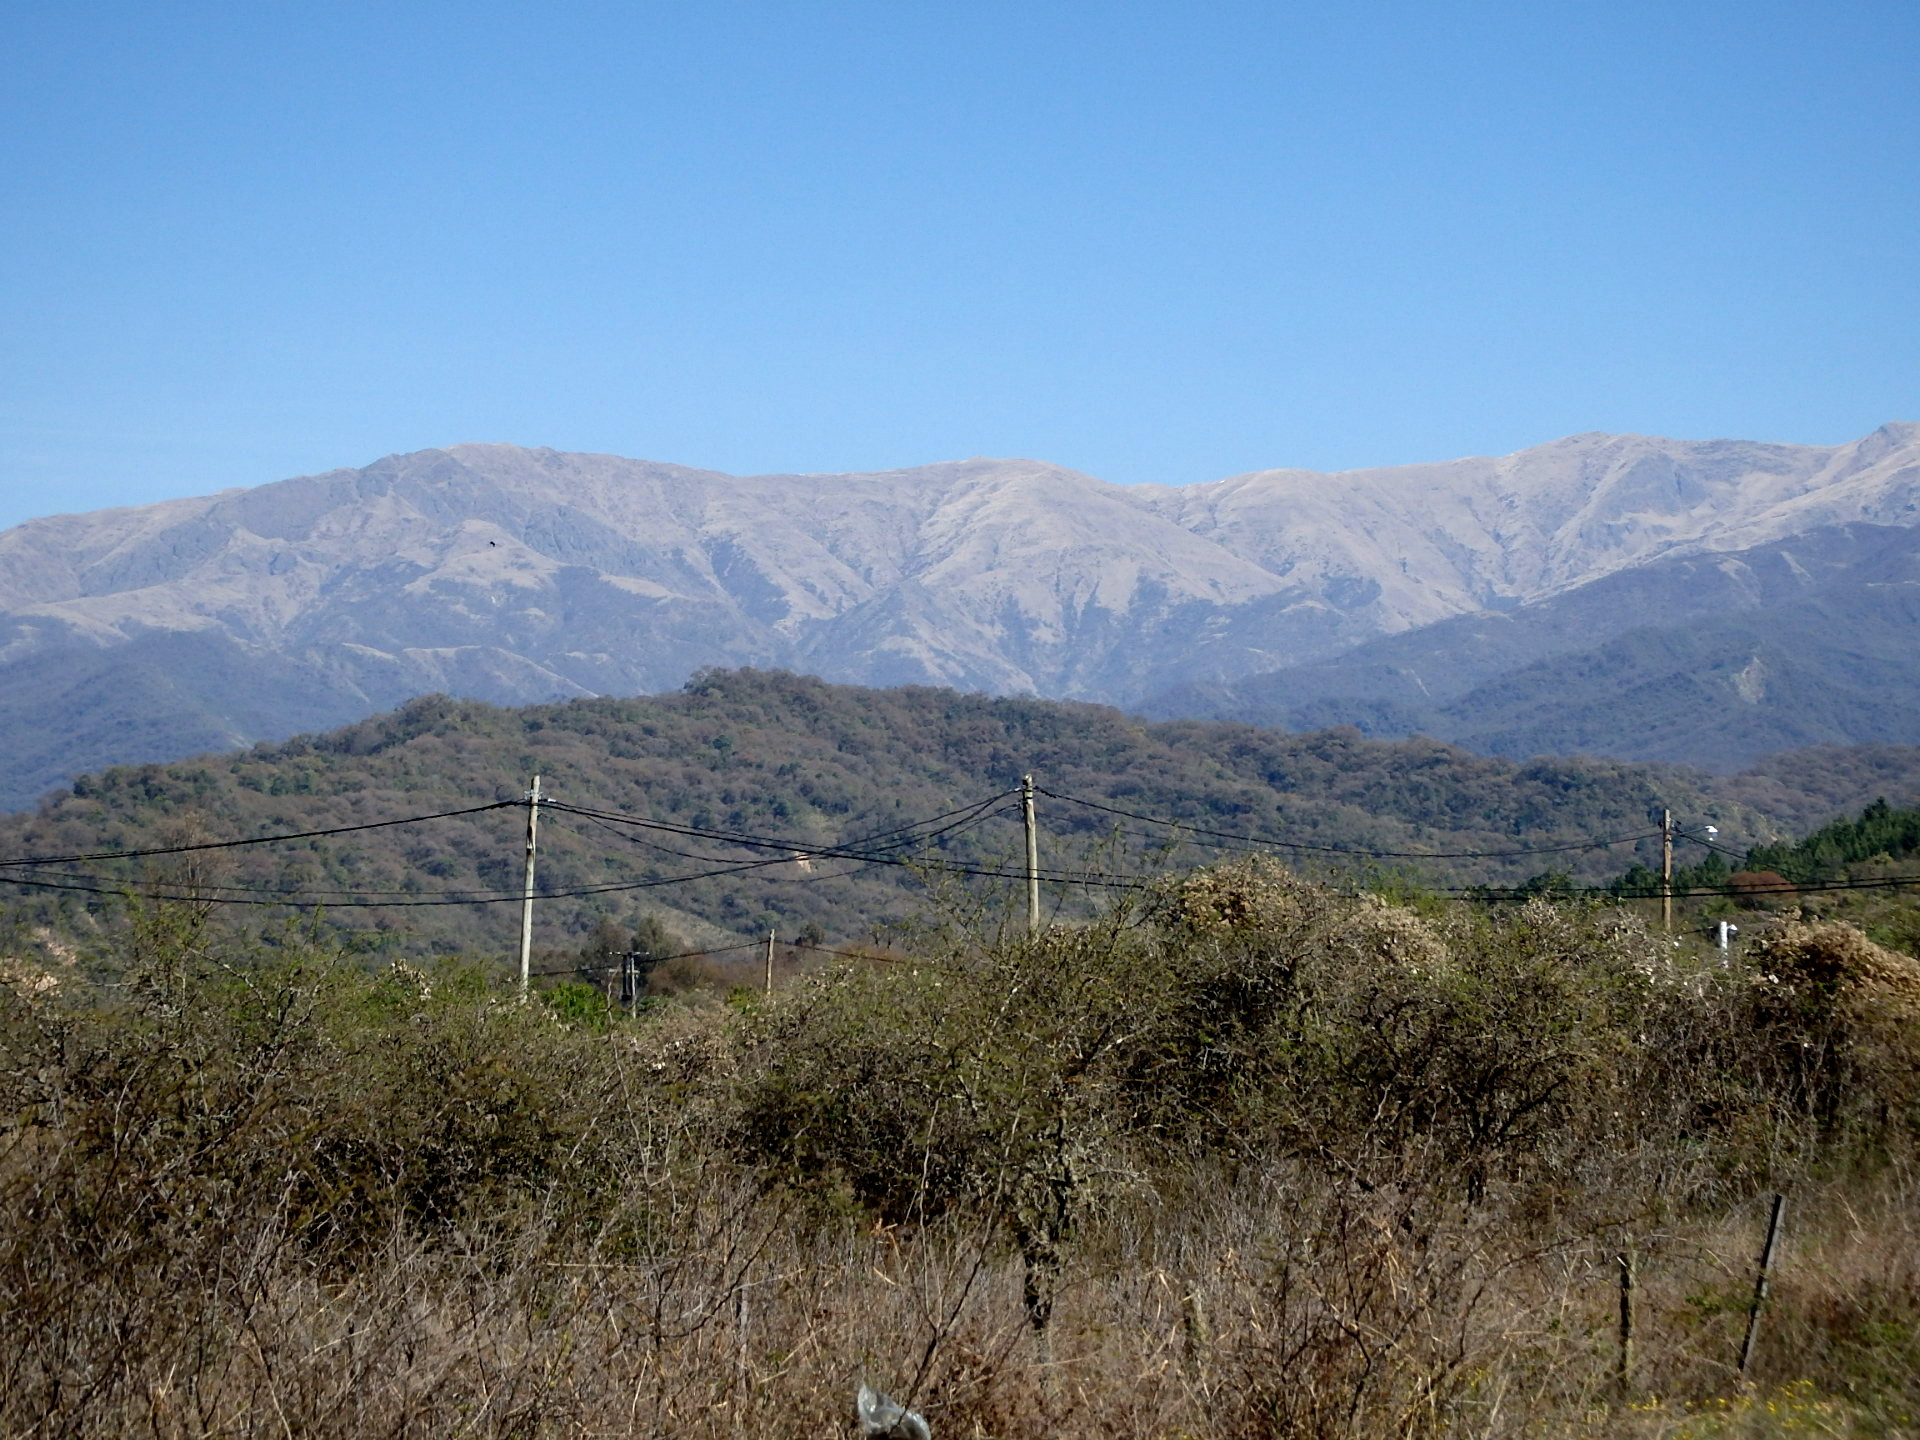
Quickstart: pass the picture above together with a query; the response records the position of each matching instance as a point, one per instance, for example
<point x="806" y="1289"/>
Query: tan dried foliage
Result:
<point x="1261" y="896"/>
<point x="1872" y="992"/>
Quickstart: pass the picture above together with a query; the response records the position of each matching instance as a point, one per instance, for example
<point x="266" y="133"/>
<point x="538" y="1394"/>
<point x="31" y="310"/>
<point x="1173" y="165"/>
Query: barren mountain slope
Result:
<point x="1447" y="539"/>
<point x="613" y="573"/>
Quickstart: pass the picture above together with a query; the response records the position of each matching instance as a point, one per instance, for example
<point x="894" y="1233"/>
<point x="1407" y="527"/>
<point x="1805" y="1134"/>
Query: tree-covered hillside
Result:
<point x="768" y="754"/>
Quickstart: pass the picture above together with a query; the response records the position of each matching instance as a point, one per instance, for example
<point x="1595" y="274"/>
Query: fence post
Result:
<point x="1760" y="1281"/>
<point x="1623" y="1361"/>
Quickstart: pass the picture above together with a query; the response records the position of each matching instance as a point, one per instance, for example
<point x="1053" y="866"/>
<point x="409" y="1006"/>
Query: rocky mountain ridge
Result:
<point x="517" y="575"/>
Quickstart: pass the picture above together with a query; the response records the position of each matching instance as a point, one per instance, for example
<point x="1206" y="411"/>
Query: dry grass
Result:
<point x="1275" y="1306"/>
<point x="244" y="1203"/>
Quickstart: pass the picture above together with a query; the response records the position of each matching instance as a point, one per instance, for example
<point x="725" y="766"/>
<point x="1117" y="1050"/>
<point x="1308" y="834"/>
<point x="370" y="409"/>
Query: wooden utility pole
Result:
<point x="769" y="996"/>
<point x="526" y="902"/>
<point x="1666" y="870"/>
<point x="1033" y="855"/>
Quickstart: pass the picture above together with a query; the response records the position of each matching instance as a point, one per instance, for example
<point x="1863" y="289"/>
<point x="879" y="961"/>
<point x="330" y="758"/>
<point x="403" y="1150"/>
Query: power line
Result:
<point x="651" y="960"/>
<point x="968" y="813"/>
<point x="360" y="900"/>
<point x="959" y="819"/>
<point x="795" y="847"/>
<point x="288" y="897"/>
<point x="257" y="840"/>
<point x="1739" y="855"/>
<point x="1645" y="892"/>
<point x="455" y="895"/>
<point x="880" y="848"/>
<point x="798" y="849"/>
<point x="1262" y="842"/>
<point x="366" y="899"/>
<point x="1091" y="879"/>
<point x="610" y="967"/>
<point x="791" y="854"/>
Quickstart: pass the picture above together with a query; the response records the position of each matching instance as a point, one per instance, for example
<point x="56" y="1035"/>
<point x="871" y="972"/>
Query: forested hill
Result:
<point x="769" y="754"/>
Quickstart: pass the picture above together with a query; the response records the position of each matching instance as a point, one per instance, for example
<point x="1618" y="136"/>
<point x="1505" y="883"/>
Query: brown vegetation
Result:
<point x="1760" y="886"/>
<point x="780" y="755"/>
<point x="1249" y="1158"/>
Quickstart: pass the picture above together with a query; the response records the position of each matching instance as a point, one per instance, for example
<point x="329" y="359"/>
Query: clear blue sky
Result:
<point x="1151" y="241"/>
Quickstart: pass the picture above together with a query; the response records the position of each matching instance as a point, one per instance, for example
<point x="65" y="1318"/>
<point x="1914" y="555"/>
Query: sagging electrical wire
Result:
<point x="612" y="967"/>
<point x="882" y="848"/>
<point x="152" y="891"/>
<point x="216" y="893"/>
<point x="616" y="965"/>
<point x="893" y="840"/>
<point x="1353" y="851"/>
<point x="797" y="850"/>
<point x="81" y="859"/>
<point x="1657" y="892"/>
<point x="970" y="815"/>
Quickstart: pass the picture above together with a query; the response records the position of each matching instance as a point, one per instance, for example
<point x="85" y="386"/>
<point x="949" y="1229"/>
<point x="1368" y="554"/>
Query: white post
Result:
<point x="526" y="903"/>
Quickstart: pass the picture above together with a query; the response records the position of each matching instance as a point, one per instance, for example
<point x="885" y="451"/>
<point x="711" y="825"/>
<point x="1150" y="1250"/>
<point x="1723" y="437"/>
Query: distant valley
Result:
<point x="1704" y="602"/>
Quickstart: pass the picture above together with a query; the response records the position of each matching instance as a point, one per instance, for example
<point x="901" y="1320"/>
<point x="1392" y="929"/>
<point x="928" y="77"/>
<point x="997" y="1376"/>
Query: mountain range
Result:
<point x="1698" y="601"/>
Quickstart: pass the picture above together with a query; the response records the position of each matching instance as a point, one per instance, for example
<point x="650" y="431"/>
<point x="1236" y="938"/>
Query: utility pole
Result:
<point x="769" y="990"/>
<point x="526" y="903"/>
<point x="1666" y="870"/>
<point x="630" y="982"/>
<point x="1033" y="855"/>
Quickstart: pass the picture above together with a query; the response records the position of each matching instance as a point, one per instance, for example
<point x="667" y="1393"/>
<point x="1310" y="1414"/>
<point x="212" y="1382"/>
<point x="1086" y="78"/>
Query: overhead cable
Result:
<point x="256" y="840"/>
<point x="1354" y="851"/>
<point x="1656" y="892"/>
<point x="957" y="819"/>
<point x="792" y="849"/>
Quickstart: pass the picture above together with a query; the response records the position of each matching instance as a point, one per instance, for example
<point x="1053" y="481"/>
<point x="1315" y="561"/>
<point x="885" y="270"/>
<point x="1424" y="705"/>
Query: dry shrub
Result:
<point x="1264" y="1159"/>
<point x="1839" y="1019"/>
<point x="1356" y="1312"/>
